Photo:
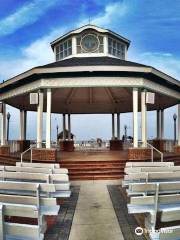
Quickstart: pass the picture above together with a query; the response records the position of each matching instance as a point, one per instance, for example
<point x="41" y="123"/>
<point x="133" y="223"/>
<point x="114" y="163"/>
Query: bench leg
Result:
<point x="1" y="223"/>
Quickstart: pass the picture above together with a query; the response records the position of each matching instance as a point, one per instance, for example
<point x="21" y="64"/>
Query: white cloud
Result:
<point x="27" y="14"/>
<point x="111" y="14"/>
<point x="37" y="53"/>
<point x="165" y="62"/>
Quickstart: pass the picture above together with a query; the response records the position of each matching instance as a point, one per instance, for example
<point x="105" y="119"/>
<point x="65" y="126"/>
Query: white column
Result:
<point x="113" y="127"/>
<point x="162" y="123"/>
<point x="69" y="127"/>
<point x="178" y="124"/>
<point x="40" y="120"/>
<point x="143" y="119"/>
<point x="3" y="126"/>
<point x="23" y="115"/>
<point x="135" y="117"/>
<point x="64" y="126"/>
<point x="48" y="119"/>
<point x="157" y="124"/>
<point x="118" y="126"/>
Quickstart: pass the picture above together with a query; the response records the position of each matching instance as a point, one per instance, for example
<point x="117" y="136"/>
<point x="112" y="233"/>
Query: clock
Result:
<point x="90" y="43"/>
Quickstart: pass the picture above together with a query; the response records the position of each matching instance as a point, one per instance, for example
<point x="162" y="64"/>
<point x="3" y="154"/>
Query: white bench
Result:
<point x="162" y="198"/>
<point x="152" y="169"/>
<point x="151" y="177"/>
<point x="149" y="164"/>
<point x="28" y="200"/>
<point x="34" y="169"/>
<point x="12" y="231"/>
<point x="38" y="165"/>
<point x="61" y="181"/>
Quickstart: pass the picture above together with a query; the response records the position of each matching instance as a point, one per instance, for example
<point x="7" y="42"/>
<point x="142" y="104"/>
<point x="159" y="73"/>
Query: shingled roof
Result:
<point x="92" y="61"/>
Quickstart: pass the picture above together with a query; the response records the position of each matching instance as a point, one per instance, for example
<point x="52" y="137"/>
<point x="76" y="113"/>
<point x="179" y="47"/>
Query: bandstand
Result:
<point x="90" y="75"/>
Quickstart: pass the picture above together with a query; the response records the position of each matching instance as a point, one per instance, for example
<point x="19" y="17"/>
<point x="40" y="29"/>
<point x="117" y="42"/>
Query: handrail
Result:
<point x="27" y="150"/>
<point x="152" y="151"/>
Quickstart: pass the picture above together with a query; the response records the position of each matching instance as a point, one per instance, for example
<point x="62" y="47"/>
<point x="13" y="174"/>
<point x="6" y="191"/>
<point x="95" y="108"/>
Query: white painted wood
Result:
<point x="163" y="199"/>
<point x="39" y="165"/>
<point x="150" y="187"/>
<point x="27" y="200"/>
<point x="23" y="124"/>
<point x="178" y="124"/>
<point x="26" y="176"/>
<point x="135" y="117"/>
<point x="143" y="119"/>
<point x="152" y="169"/>
<point x="162" y="124"/>
<point x="113" y="126"/>
<point x="153" y="176"/>
<point x="157" y="124"/>
<point x="34" y="170"/>
<point x="40" y="120"/>
<point x="48" y="119"/>
<point x="1" y="222"/>
<point x="149" y="164"/>
<point x="64" y="126"/>
<point x="21" y="186"/>
<point x="22" y="231"/>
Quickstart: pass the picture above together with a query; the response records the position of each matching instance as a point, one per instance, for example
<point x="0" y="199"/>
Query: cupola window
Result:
<point x="64" y="49"/>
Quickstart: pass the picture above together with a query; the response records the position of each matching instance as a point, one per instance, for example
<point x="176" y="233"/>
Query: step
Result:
<point x="96" y="177"/>
<point x="95" y="172"/>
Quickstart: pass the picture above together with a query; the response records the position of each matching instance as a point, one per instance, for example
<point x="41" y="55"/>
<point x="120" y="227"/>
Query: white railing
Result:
<point x="91" y="145"/>
<point x="26" y="151"/>
<point x="152" y="151"/>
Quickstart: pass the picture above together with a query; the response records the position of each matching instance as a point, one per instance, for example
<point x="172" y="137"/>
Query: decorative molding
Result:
<point x="91" y="82"/>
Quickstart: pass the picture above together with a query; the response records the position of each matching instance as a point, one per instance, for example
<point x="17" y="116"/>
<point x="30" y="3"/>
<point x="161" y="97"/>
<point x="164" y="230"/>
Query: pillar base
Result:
<point x="159" y="144"/>
<point x="44" y="155"/>
<point x="139" y="154"/>
<point x="177" y="149"/>
<point x="67" y="146"/>
<point x="5" y="150"/>
<point x="116" y="145"/>
<point x="23" y="145"/>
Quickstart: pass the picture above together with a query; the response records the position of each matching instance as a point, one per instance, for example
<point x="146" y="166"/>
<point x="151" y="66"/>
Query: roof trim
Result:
<point x="89" y="26"/>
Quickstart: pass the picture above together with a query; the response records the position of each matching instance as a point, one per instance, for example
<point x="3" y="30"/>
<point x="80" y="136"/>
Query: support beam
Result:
<point x="3" y="126"/>
<point x="69" y="127"/>
<point x="178" y="124"/>
<point x="64" y="126"/>
<point x="23" y="118"/>
<point x="113" y="127"/>
<point x="118" y="126"/>
<point x="162" y="124"/>
<point x="143" y="119"/>
<point x="40" y="119"/>
<point x="157" y="124"/>
<point x="48" y="119"/>
<point x="135" y="117"/>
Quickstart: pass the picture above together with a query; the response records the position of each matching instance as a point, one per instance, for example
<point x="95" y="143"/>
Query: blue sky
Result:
<point x="27" y="28"/>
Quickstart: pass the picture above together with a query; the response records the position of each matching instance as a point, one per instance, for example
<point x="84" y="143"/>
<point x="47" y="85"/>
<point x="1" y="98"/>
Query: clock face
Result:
<point x="90" y="43"/>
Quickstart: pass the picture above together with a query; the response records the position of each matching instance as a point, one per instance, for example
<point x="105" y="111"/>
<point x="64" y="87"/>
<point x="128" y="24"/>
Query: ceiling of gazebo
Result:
<point x="91" y="100"/>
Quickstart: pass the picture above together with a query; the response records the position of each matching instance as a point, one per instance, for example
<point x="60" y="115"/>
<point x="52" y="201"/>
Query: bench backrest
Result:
<point x="34" y="170"/>
<point x="16" y="230"/>
<point x="148" y="176"/>
<point x="151" y="187"/>
<point x="152" y="169"/>
<point x="38" y="165"/>
<point x="149" y="164"/>
<point x="36" y="177"/>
